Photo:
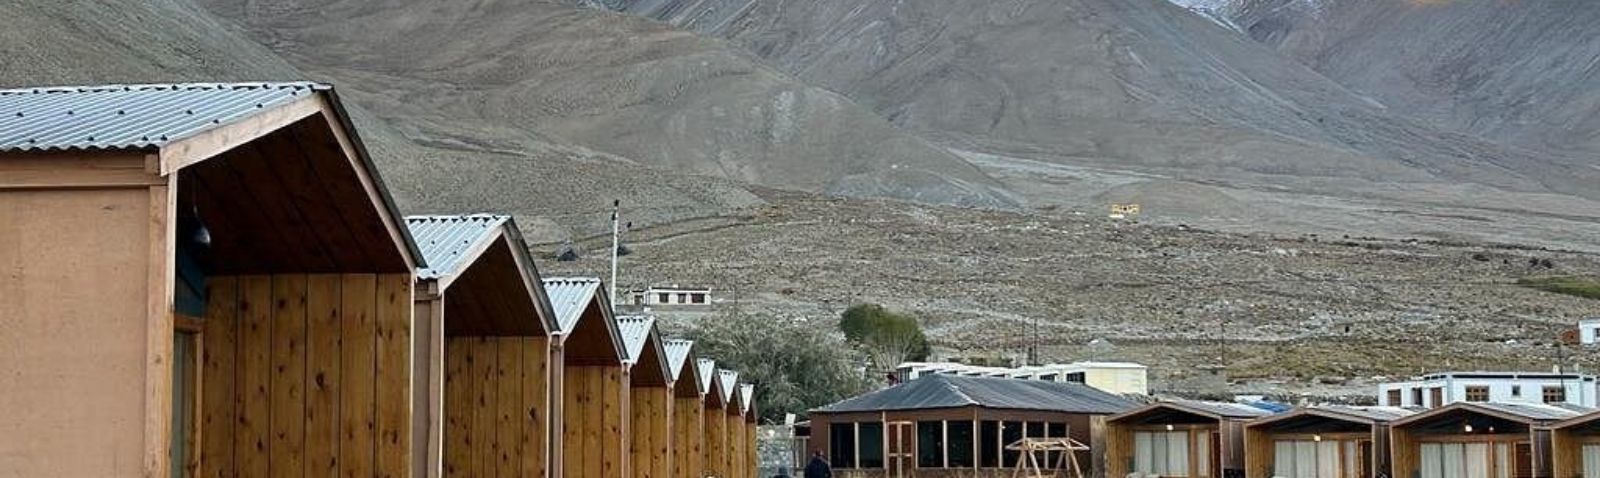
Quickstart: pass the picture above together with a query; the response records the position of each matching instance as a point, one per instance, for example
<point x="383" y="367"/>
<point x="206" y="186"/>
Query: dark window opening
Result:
<point x="663" y="298"/>
<point x="842" y="445"/>
<point x="930" y="444"/>
<point x="1010" y="433"/>
<point x="1416" y="397"/>
<point x="1054" y="430"/>
<point x="1477" y="393"/>
<point x="959" y="448"/>
<point x="697" y="298"/>
<point x="1394" y="398"/>
<point x="989" y="444"/>
<point x="1075" y="377"/>
<point x="871" y="450"/>
<point x="1555" y="394"/>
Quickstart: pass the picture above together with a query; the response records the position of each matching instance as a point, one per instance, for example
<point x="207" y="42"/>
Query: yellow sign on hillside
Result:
<point x="1119" y="211"/>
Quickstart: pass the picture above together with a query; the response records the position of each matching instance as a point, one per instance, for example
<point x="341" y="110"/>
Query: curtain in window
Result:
<point x="1502" y="458"/>
<point x="1202" y="459"/>
<point x="1591" y="461"/>
<point x="1477" y="460"/>
<point x="1327" y="459"/>
<point x="1352" y="459"/>
<point x="1451" y="461"/>
<point x="1305" y="459"/>
<point x="1432" y="461"/>
<point x="1178" y="453"/>
<point x="1144" y="452"/>
<point x="1283" y="459"/>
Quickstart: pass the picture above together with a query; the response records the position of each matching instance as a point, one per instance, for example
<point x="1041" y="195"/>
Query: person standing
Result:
<point x="818" y="468"/>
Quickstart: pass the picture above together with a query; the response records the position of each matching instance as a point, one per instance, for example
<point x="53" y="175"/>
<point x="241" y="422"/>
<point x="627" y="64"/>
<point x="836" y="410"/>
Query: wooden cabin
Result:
<point x="483" y="400"/>
<point x="650" y="390"/>
<point x="1575" y="447"/>
<point x="207" y="279"/>
<point x="732" y="426"/>
<point x="955" y="426"/>
<point x="752" y="462"/>
<point x="715" y="457"/>
<point x="688" y="409"/>
<point x="1476" y="440"/>
<point x="1332" y="442"/>
<point x="594" y="385"/>
<point x="1179" y="438"/>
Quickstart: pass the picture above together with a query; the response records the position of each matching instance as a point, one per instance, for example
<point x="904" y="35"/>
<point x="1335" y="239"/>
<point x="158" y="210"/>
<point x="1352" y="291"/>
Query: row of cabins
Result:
<point x="211" y="280"/>
<point x="957" y="426"/>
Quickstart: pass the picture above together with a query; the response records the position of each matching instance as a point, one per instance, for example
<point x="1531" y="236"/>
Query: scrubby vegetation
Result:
<point x="1577" y="286"/>
<point x="795" y="364"/>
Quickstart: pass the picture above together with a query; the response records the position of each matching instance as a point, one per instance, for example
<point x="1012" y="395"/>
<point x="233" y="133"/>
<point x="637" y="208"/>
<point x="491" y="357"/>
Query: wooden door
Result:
<point x="901" y="448"/>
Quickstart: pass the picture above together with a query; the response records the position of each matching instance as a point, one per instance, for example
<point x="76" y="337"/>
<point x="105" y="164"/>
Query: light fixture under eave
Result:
<point x="1169" y="427"/>
<point x="1466" y="428"/>
<point x="1316" y="438"/>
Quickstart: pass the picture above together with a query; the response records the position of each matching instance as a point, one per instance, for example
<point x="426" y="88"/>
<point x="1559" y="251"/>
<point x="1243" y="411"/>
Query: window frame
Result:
<point x="1476" y="393"/>
<point x="1558" y="392"/>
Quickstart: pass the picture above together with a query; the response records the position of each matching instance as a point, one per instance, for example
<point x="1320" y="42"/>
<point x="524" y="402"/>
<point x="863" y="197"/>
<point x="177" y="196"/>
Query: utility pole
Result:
<point x="616" y="243"/>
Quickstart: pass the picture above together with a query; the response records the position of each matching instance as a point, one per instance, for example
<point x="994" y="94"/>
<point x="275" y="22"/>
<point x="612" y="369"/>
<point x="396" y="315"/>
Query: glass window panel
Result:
<point x="1010" y="432"/>
<point x="1432" y="457"/>
<point x="1477" y="460"/>
<point x="1178" y="453"/>
<point x="1283" y="458"/>
<point x="1452" y="461"/>
<point x="1158" y="460"/>
<point x="870" y="451"/>
<point x="1352" y="459"/>
<point x="1143" y="452"/>
<point x="930" y="444"/>
<point x="1305" y="459"/>
<point x="959" y="448"/>
<point x="842" y="445"/>
<point x="1202" y="451"/>
<point x="1054" y="430"/>
<point x="1327" y="459"/>
<point x="989" y="445"/>
<point x="1502" y="460"/>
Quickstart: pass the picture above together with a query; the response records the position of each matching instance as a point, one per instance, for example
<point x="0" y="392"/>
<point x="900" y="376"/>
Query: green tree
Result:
<point x="888" y="338"/>
<point x="795" y="364"/>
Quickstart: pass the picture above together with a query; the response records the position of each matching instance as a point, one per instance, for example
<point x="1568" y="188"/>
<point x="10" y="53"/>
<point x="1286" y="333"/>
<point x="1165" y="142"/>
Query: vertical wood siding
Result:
<point x="495" y="406"/>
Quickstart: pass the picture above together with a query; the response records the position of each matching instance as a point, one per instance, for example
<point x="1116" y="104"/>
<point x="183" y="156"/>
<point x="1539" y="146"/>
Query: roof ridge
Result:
<point x="102" y="88"/>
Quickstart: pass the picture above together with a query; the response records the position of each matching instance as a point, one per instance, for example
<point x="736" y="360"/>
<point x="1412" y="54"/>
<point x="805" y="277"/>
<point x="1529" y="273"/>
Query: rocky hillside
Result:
<point x="1139" y="84"/>
<point x="501" y="73"/>
<point x="1525" y="73"/>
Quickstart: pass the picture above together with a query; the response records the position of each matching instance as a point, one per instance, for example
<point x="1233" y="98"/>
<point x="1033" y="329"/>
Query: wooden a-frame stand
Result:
<point x="1028" y="464"/>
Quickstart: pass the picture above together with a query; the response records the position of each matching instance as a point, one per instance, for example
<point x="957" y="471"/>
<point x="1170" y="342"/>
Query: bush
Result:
<point x="796" y="365"/>
<point x="888" y="338"/>
<point x="1570" y="285"/>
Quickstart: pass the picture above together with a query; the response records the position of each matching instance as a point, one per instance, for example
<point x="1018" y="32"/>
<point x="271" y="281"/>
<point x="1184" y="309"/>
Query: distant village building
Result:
<point x="672" y="296"/>
<point x="1431" y="391"/>
<point x="1589" y="330"/>
<point x="1114" y="377"/>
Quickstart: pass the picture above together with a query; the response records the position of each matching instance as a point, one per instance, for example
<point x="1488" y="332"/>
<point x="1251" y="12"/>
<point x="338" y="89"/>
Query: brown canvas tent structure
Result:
<point x="688" y="409"/>
<point x="945" y="425"/>
<point x="483" y="372"/>
<point x="594" y="386"/>
<point x="1575" y="447"/>
<point x="732" y="427"/>
<point x="649" y="429"/>
<point x="1179" y="438"/>
<point x="207" y="277"/>
<point x="1476" y="440"/>
<point x="1332" y="441"/>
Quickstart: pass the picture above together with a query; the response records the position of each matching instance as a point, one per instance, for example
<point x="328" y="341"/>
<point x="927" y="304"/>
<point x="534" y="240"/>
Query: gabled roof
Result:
<point x="678" y="353"/>
<point x="635" y="330"/>
<point x="1525" y="413"/>
<point x="132" y="116"/>
<point x="747" y="397"/>
<point x="449" y="243"/>
<point x="1213" y="410"/>
<point x="729" y="380"/>
<point x="952" y="391"/>
<point x="708" y="374"/>
<point x="570" y="296"/>
<point x="1580" y="420"/>
<point x="1353" y="414"/>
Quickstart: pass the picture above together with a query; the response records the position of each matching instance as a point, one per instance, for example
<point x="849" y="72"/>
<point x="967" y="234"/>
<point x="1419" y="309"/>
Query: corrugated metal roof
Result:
<point x="1377" y="414"/>
<point x="131" y="116"/>
<point x="446" y="240"/>
<point x="678" y="352"/>
<point x="1220" y="409"/>
<point x="635" y="330"/>
<point x="1531" y="413"/>
<point x="747" y="397"/>
<point x="708" y="374"/>
<point x="730" y="384"/>
<point x="569" y="296"/>
<point x="953" y="391"/>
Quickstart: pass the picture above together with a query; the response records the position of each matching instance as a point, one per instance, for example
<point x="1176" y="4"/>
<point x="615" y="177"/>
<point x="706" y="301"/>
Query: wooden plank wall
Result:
<point x="734" y="431"/>
<point x="716" y="456"/>
<point x="688" y="437"/>
<point x="496" y="406"/>
<point x="651" y="441"/>
<point x="306" y="375"/>
<point x="751" y="458"/>
<point x="595" y="424"/>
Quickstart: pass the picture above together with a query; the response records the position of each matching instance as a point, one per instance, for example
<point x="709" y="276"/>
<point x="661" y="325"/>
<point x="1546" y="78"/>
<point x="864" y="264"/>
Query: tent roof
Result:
<point x="950" y="391"/>
<point x="448" y="243"/>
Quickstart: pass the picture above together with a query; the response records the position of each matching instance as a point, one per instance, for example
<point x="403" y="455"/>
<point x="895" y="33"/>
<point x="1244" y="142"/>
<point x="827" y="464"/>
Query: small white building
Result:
<point x="672" y="296"/>
<point x="1589" y="330"/>
<point x="1114" y="377"/>
<point x="1435" y="390"/>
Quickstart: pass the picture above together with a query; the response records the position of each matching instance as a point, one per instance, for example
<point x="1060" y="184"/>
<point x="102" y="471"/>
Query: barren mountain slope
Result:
<point x="1522" y="72"/>
<point x="496" y="70"/>
<point x="555" y="189"/>
<point x="1130" y="83"/>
